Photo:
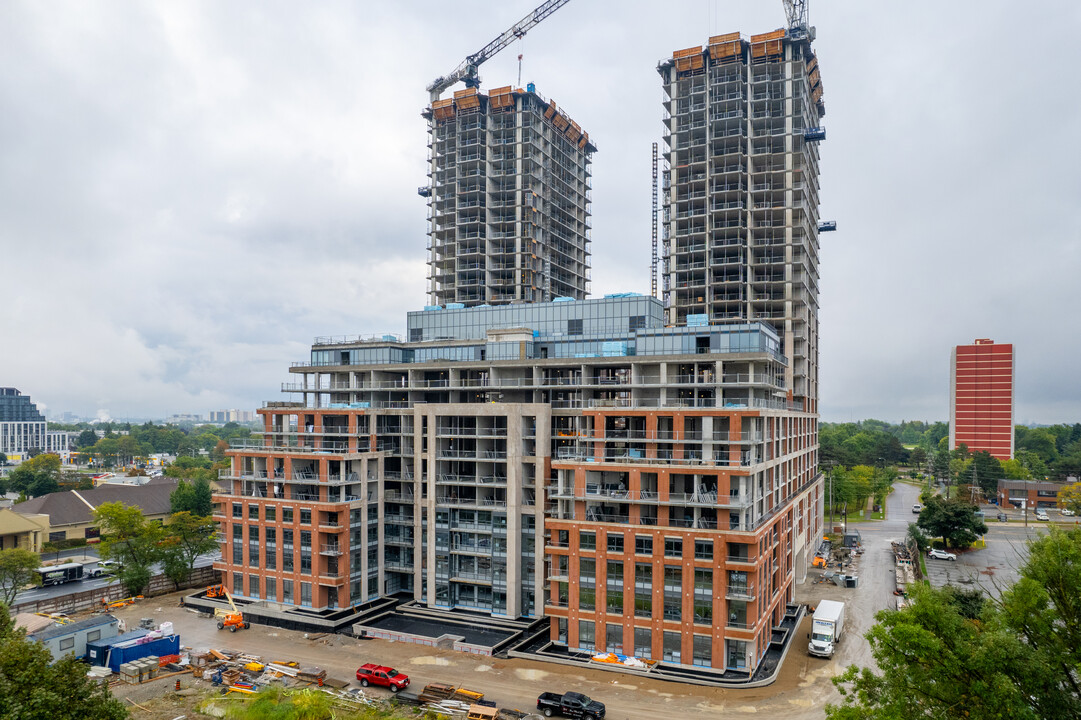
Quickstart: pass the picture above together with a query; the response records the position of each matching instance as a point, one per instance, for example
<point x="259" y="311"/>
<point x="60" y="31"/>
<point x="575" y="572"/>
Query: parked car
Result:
<point x="1042" y="516"/>
<point x="916" y="508"/>
<point x="941" y="554"/>
<point x="571" y="704"/>
<point x="371" y="674"/>
<point x="1068" y="512"/>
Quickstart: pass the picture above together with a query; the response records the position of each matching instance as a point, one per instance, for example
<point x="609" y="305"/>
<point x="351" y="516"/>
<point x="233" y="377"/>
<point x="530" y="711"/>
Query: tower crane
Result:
<point x="467" y="71"/>
<point x="796" y="10"/>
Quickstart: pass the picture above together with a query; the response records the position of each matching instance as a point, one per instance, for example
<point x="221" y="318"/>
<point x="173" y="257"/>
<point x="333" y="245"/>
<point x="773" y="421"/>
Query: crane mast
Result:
<point x="796" y="10"/>
<point x="467" y="70"/>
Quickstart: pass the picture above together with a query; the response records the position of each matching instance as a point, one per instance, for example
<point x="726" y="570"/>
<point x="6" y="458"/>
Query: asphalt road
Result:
<point x="89" y="558"/>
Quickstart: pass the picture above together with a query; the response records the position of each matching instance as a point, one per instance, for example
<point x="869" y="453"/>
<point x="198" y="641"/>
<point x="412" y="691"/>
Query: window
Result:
<point x="416" y="334"/>
<point x="574" y="327"/>
<point x="253" y="586"/>
<point x="673" y="547"/>
<point x="271" y="589"/>
<point x="703" y="549"/>
<point x="643" y="642"/>
<point x="563" y="538"/>
<point x="587" y="541"/>
<point x="643" y="545"/>
<point x="238" y="583"/>
<point x="305" y="516"/>
<point x="586" y="637"/>
<point x="93" y="636"/>
<point x="615" y="542"/>
<point x="306" y="594"/>
<point x="271" y="513"/>
<point x="636" y="322"/>
<point x="67" y="643"/>
<point x="613" y="641"/>
<point x="614" y="595"/>
<point x="702" y="652"/>
<point x="287" y="515"/>
<point x="287" y="592"/>
<point x="587" y="571"/>
<point x="671" y="646"/>
<point x="238" y="510"/>
<point x="673" y="592"/>
<point x="643" y="590"/>
<point x="253" y="512"/>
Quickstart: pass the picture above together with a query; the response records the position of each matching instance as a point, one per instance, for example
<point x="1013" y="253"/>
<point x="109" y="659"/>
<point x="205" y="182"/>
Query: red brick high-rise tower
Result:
<point x="981" y="398"/>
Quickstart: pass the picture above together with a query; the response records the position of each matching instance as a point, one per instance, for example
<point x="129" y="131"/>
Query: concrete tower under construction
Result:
<point x="508" y="199"/>
<point x="740" y="191"/>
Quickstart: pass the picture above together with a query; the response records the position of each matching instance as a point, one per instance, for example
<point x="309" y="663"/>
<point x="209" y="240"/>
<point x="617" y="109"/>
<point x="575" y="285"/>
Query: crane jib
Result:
<point x="468" y="69"/>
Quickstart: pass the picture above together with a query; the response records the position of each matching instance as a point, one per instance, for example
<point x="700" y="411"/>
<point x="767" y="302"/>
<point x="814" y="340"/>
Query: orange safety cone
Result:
<point x="178" y="684"/>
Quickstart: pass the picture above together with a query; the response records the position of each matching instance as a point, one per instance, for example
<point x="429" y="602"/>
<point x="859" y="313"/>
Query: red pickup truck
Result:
<point x="371" y="674"/>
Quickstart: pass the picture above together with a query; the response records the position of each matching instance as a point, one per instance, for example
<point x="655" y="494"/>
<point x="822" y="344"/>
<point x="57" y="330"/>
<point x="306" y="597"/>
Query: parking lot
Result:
<point x="992" y="568"/>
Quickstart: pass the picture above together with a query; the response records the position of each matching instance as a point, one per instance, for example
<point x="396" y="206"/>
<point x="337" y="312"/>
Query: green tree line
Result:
<point x="1052" y="451"/>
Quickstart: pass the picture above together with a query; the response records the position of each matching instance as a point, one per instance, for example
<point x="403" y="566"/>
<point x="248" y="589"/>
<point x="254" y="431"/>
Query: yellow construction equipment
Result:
<point x="233" y="620"/>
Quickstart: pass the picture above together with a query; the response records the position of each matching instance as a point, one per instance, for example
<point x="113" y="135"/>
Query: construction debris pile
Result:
<point x="906" y="570"/>
<point x="458" y="701"/>
<point x="839" y="562"/>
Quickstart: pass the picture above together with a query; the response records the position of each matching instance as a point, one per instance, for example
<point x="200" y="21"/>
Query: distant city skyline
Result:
<point x="223" y="192"/>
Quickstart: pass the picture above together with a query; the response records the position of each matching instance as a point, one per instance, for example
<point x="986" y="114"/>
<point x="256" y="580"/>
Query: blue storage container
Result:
<point x="138" y="649"/>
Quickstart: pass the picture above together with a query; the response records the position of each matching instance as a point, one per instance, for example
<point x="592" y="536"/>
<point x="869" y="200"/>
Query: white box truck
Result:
<point x="827" y="628"/>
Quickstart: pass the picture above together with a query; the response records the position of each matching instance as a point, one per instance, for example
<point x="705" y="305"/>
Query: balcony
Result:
<point x="743" y="591"/>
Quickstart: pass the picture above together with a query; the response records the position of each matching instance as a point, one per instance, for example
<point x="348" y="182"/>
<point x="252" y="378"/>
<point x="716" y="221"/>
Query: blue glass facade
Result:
<point x="613" y="326"/>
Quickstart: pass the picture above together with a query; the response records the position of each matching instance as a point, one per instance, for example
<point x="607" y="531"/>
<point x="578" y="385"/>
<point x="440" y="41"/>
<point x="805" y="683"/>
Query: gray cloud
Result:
<point x="190" y="192"/>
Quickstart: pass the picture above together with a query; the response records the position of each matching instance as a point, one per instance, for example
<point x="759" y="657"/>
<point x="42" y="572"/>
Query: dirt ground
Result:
<point x="800" y="692"/>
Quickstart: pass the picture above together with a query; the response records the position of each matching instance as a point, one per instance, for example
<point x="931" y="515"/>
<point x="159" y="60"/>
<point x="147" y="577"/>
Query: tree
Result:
<point x="922" y="543"/>
<point x="33" y="687"/>
<point x="1042" y="609"/>
<point x="187" y="536"/>
<point x="218" y="453"/>
<point x="934" y="662"/>
<point x="195" y="497"/>
<point x="37" y="476"/>
<point x="942" y="463"/>
<point x="957" y="654"/>
<point x="918" y="457"/>
<point x="87" y="439"/>
<point x="128" y="538"/>
<point x="17" y="568"/>
<point x="952" y="520"/>
<point x="986" y="471"/>
<point x="1013" y="469"/>
<point x="1069" y="497"/>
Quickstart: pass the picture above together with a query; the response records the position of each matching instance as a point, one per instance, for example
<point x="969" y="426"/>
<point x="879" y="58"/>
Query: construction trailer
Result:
<point x="73" y="638"/>
<point x="130" y="647"/>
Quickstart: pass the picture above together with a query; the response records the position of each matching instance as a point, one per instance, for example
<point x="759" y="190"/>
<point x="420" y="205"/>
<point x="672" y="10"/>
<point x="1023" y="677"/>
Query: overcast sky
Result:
<point x="190" y="192"/>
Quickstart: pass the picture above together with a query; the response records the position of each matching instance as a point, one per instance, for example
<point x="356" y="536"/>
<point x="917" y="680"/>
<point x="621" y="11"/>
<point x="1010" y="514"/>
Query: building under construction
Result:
<point x="740" y="190"/>
<point x="508" y="199"/>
